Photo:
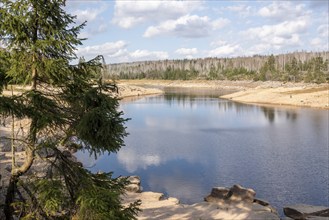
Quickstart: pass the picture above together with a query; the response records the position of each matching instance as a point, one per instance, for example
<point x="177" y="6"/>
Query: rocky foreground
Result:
<point x="223" y="203"/>
<point x="235" y="203"/>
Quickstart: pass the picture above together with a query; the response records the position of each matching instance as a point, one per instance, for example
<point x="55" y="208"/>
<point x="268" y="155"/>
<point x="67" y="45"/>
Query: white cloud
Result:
<point x="187" y="51"/>
<point x="148" y="55"/>
<point x="106" y="49"/>
<point x="130" y="13"/>
<point x="220" y="23"/>
<point x="323" y="30"/>
<point x="242" y="10"/>
<point x="118" y="52"/>
<point x="283" y="10"/>
<point x="316" y="42"/>
<point x="218" y="43"/>
<point x="319" y="4"/>
<point x="186" y="26"/>
<point x="225" y="50"/>
<point x="189" y="26"/>
<point x="319" y="44"/>
<point x="259" y="49"/>
<point x="286" y="33"/>
<point x="89" y="14"/>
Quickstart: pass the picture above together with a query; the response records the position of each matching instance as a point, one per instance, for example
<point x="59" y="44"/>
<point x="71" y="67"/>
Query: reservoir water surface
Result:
<point x="183" y="143"/>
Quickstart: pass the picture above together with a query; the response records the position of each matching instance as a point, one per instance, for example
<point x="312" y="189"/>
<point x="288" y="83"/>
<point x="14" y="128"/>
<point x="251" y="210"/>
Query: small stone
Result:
<point x="2" y="156"/>
<point x="5" y="144"/>
<point x="133" y="188"/>
<point x="134" y="180"/>
<point x="46" y="153"/>
<point x="67" y="153"/>
<point x="8" y="167"/>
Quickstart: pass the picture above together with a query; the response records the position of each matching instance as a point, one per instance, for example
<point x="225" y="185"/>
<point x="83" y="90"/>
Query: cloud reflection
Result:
<point x="133" y="160"/>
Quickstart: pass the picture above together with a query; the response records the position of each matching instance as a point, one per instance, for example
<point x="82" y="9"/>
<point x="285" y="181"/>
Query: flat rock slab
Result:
<point x="302" y="211"/>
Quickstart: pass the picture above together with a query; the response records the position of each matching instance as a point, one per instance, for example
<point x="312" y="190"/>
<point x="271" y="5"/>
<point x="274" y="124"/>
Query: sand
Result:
<point x="263" y="93"/>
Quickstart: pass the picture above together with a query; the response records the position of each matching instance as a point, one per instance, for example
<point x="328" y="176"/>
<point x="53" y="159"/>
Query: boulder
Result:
<point x="134" y="180"/>
<point x="134" y="184"/>
<point x="2" y="156"/>
<point x="219" y="192"/>
<point x="5" y="144"/>
<point x="46" y="153"/>
<point x="302" y="211"/>
<point x="239" y="193"/>
<point x="236" y="193"/>
<point x="133" y="188"/>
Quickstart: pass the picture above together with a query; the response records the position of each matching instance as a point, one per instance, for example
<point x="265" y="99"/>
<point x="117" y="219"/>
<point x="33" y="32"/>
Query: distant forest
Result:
<point x="295" y="67"/>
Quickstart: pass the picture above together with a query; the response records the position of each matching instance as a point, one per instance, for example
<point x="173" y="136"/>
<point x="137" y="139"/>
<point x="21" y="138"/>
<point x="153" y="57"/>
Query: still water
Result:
<point x="184" y="143"/>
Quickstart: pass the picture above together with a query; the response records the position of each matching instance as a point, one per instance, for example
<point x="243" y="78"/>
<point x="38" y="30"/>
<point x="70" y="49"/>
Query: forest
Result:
<point x="295" y="67"/>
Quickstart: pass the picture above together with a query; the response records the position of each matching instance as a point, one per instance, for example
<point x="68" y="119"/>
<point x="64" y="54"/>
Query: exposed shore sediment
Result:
<point x="269" y="93"/>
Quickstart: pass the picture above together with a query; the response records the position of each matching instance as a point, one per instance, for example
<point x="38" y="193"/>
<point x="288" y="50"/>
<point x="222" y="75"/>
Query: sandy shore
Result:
<point x="269" y="93"/>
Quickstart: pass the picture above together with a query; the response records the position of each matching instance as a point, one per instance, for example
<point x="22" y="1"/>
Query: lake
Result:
<point x="185" y="142"/>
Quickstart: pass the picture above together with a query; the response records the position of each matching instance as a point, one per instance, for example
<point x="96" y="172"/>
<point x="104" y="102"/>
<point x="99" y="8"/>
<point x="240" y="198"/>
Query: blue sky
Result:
<point x="126" y="31"/>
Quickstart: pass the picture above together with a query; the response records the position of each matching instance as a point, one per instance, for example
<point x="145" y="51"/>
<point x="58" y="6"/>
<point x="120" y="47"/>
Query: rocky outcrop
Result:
<point x="306" y="212"/>
<point x="237" y="196"/>
<point x="134" y="185"/>
<point x="236" y="193"/>
<point x="236" y="202"/>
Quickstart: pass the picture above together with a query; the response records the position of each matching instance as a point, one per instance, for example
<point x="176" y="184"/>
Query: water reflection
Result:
<point x="185" y="144"/>
<point x="269" y="113"/>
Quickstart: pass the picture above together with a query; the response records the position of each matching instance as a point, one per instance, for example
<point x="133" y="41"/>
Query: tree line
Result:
<point x="296" y="67"/>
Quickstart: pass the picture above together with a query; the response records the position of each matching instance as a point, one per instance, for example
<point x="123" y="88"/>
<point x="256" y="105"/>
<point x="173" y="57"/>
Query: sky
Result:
<point x="128" y="31"/>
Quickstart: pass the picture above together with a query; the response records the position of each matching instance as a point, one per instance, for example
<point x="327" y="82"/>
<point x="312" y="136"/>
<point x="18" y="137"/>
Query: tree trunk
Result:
<point x="16" y="173"/>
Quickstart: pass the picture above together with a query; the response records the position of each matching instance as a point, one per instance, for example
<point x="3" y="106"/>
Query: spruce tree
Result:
<point x="66" y="108"/>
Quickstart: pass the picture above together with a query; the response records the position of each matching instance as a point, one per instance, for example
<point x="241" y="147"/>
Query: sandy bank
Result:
<point x="125" y="90"/>
<point x="305" y="95"/>
<point x="273" y="93"/>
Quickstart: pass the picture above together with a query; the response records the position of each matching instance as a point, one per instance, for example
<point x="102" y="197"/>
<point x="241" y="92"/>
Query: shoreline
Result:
<point x="268" y="93"/>
<point x="271" y="93"/>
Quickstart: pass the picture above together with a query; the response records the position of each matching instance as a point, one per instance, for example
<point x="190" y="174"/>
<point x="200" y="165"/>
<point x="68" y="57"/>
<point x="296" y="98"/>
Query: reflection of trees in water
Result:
<point x="229" y="106"/>
<point x="191" y="99"/>
<point x="186" y="99"/>
<point x="290" y="115"/>
<point x="269" y="113"/>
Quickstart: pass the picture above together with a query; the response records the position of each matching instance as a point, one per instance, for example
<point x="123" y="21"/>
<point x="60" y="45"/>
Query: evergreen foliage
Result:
<point x="66" y="107"/>
<point x="295" y="67"/>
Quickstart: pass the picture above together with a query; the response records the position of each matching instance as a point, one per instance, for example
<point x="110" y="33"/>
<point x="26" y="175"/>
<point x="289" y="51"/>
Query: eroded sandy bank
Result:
<point x="273" y="93"/>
